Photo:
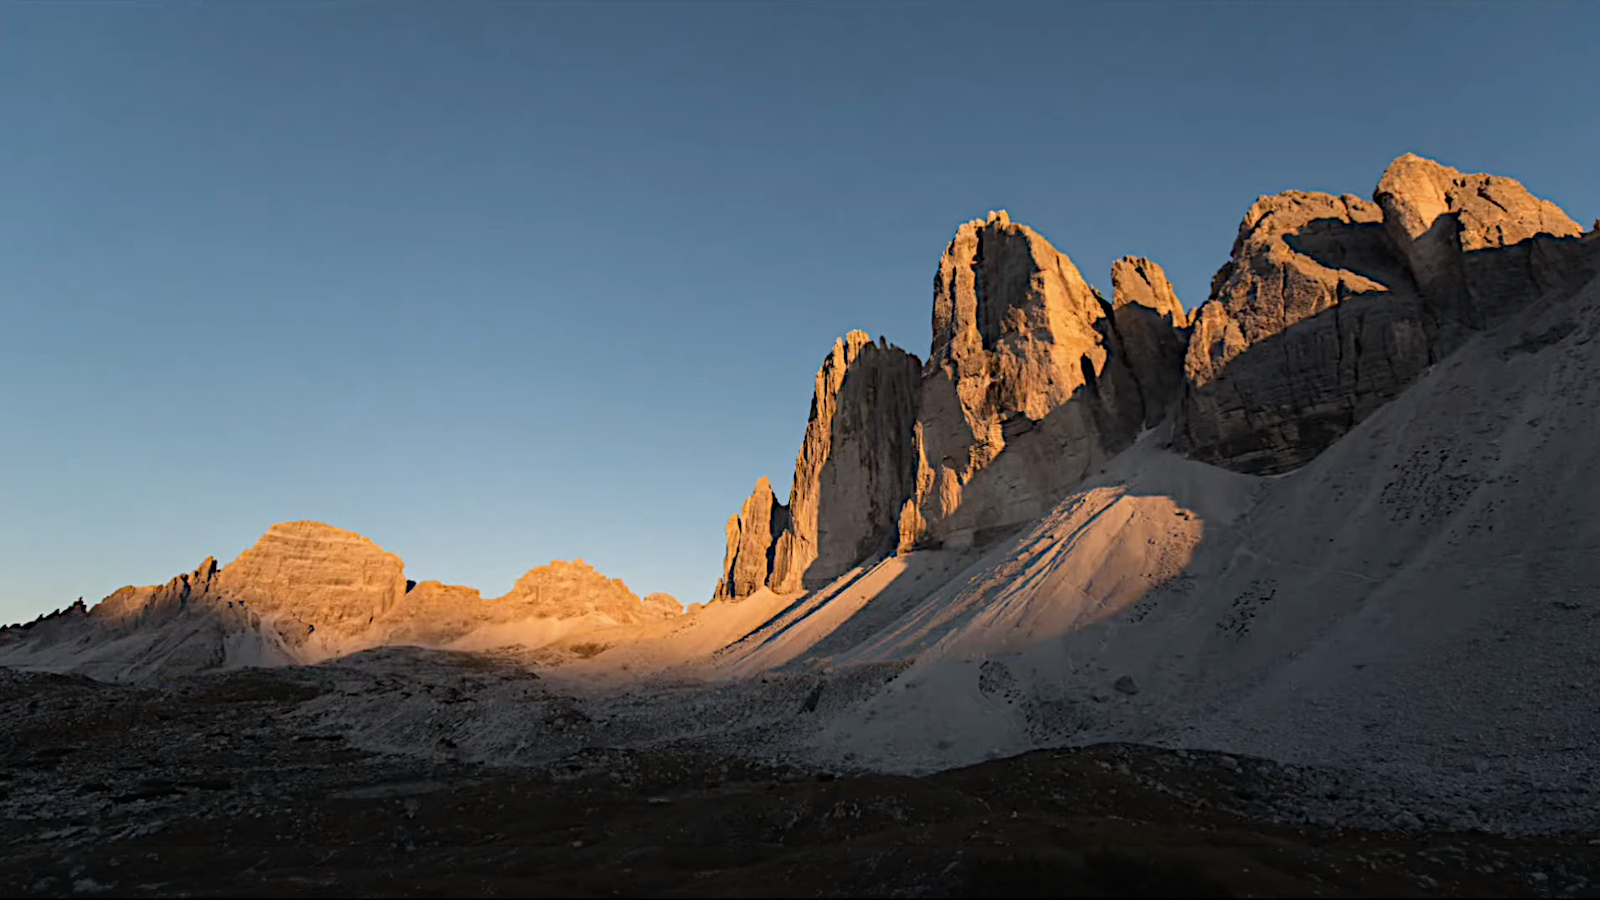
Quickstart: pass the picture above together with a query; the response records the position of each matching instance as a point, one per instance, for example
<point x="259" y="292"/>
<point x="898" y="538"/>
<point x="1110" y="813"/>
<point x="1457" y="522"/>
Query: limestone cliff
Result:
<point x="854" y="470"/>
<point x="1154" y="330"/>
<point x="1312" y="323"/>
<point x="1330" y="306"/>
<point x="323" y="577"/>
<point x="853" y="473"/>
<point x="752" y="538"/>
<point x="1026" y="389"/>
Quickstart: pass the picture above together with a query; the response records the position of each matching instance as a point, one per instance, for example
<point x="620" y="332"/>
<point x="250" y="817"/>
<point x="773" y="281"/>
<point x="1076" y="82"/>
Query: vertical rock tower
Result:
<point x="851" y="477"/>
<point x="1026" y="387"/>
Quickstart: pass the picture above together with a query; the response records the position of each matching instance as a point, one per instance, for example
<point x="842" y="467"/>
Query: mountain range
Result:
<point x="1342" y="510"/>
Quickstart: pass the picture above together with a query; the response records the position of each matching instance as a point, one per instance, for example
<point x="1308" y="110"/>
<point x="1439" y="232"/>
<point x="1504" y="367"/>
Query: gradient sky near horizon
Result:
<point x="499" y="283"/>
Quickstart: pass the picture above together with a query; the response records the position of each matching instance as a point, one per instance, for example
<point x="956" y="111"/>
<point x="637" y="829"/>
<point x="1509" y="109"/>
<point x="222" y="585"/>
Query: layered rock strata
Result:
<point x="316" y="574"/>
<point x="306" y="591"/>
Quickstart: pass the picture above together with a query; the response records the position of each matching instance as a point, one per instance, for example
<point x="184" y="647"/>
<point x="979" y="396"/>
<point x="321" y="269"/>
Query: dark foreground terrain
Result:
<point x="209" y="787"/>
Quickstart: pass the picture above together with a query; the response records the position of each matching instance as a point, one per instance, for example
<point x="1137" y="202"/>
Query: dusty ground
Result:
<point x="215" y="786"/>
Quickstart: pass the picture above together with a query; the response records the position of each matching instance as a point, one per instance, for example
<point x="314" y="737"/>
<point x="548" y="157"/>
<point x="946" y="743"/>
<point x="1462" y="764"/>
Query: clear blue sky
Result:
<point x="495" y="284"/>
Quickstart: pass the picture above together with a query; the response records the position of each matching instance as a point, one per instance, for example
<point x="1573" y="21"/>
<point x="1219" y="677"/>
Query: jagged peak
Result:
<point x="1415" y="191"/>
<point x="1141" y="281"/>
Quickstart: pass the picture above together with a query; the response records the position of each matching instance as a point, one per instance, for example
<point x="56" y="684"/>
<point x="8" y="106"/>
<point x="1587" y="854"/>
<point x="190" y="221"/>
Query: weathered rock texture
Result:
<point x="327" y="578"/>
<point x="564" y="590"/>
<point x="752" y="539"/>
<point x="1154" y="329"/>
<point x="1312" y="324"/>
<point x="665" y="605"/>
<point x="1443" y="221"/>
<point x="853" y="473"/>
<point x="854" y="468"/>
<point x="1330" y="306"/>
<point x="305" y="592"/>
<point x="1033" y="380"/>
<point x="1027" y="386"/>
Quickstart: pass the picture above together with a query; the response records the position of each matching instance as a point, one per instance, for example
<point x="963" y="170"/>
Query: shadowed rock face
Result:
<point x="1441" y="219"/>
<point x="1330" y="306"/>
<point x="1033" y="380"/>
<point x="1280" y="363"/>
<point x="1154" y="330"/>
<point x="1024" y="353"/>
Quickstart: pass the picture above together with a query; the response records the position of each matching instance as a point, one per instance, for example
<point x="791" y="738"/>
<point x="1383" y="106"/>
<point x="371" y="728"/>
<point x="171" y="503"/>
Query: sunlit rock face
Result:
<point x="1330" y="306"/>
<point x="661" y="604"/>
<point x="854" y="471"/>
<point x="1154" y="330"/>
<point x="1032" y="381"/>
<point x="852" y="475"/>
<point x="325" y="577"/>
<point x="569" y="590"/>
<point x="752" y="536"/>
<point x="1026" y="389"/>
<point x="1479" y="246"/>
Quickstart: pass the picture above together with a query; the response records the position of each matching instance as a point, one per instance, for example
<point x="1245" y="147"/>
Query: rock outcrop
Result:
<point x="1456" y="230"/>
<point x="1327" y="308"/>
<point x="1033" y="380"/>
<point x="1154" y="329"/>
<point x="852" y="475"/>
<point x="306" y="592"/>
<point x="130" y="608"/>
<point x="854" y="469"/>
<point x="432" y="614"/>
<point x="565" y="590"/>
<point x="325" y="578"/>
<point x="752" y="539"/>
<point x="1330" y="306"/>
<point x="1312" y="323"/>
<point x="1026" y="388"/>
<point x="664" y="605"/>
